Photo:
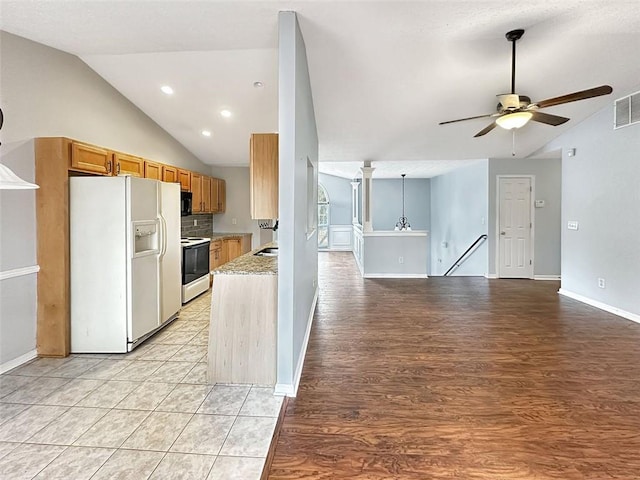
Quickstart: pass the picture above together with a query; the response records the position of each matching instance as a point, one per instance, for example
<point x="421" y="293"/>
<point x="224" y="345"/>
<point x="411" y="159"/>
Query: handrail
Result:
<point x="458" y="262"/>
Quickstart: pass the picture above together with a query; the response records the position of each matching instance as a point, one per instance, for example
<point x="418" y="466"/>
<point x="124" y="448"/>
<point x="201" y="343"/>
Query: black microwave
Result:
<point x="185" y="203"/>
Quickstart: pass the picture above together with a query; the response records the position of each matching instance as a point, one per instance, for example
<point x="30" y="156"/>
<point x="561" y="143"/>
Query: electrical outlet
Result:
<point x="400" y="259"/>
<point x="572" y="225"/>
<point x="195" y="223"/>
<point x="234" y="221"/>
<point x="601" y="282"/>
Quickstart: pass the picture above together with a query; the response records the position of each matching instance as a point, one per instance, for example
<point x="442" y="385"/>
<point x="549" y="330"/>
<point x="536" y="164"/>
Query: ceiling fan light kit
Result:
<point x="514" y="120"/>
<point x="515" y="111"/>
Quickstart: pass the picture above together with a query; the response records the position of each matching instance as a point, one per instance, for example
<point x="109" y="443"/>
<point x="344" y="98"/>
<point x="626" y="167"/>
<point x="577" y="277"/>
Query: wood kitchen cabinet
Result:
<point x="218" y="194"/>
<point x="152" y="170"/>
<point x="90" y="159"/>
<point x="233" y="247"/>
<point x="215" y="254"/>
<point x="222" y="195"/>
<point x="263" y="175"/>
<point x="170" y="174"/>
<point x="128" y="165"/>
<point x="206" y="194"/>
<point x="185" y="179"/>
<point x="196" y="192"/>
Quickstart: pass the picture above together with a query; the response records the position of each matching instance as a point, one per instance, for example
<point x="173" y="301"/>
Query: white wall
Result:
<point x="459" y="215"/>
<point x="298" y="257"/>
<point x="600" y="190"/>
<point x="547" y="173"/>
<point x="45" y="93"/>
<point x="238" y="204"/>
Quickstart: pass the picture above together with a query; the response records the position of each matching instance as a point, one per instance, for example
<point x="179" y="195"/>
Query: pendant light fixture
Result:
<point x="8" y="179"/>
<point x="403" y="222"/>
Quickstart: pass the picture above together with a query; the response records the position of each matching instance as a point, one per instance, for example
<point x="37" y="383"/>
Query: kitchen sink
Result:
<point x="267" y="252"/>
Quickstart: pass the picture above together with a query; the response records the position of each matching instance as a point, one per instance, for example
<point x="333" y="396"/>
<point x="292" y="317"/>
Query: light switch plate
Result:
<point x="572" y="225"/>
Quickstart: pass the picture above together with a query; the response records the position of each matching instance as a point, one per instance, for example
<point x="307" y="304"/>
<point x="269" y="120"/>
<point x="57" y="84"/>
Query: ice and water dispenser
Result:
<point x="146" y="236"/>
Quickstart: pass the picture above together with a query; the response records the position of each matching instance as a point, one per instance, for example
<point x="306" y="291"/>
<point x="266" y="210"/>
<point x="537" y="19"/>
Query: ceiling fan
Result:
<point x="515" y="111"/>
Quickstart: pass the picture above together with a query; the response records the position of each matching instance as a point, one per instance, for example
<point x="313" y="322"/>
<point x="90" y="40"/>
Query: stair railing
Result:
<point x="468" y="251"/>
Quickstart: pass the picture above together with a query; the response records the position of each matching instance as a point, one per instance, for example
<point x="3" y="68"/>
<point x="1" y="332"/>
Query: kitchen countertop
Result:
<point x="250" y="264"/>
<point x="222" y="235"/>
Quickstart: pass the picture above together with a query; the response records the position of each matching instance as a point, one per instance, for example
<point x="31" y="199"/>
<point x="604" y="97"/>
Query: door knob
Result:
<point x="503" y="233"/>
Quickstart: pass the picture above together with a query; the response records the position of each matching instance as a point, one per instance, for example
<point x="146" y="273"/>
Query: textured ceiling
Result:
<point x="383" y="73"/>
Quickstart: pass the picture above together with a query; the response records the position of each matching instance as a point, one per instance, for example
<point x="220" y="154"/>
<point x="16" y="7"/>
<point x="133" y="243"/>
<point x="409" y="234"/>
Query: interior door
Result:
<point x="514" y="227"/>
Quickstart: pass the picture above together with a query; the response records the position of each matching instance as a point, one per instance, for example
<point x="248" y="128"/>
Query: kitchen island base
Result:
<point x="242" y="335"/>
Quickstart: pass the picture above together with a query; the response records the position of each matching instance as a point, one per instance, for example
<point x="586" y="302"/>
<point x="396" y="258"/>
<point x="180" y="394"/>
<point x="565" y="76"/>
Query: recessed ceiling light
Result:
<point x="258" y="84"/>
<point x="206" y="133"/>
<point x="167" y="89"/>
<point x="225" y="113"/>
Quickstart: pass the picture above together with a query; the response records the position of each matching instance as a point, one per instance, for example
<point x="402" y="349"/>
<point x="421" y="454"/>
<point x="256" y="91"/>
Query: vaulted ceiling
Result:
<point x="383" y="73"/>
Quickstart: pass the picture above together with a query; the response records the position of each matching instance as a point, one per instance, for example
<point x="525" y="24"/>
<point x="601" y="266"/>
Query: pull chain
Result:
<point x="513" y="142"/>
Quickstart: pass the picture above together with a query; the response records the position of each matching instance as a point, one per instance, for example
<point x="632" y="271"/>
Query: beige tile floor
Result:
<point x="149" y="414"/>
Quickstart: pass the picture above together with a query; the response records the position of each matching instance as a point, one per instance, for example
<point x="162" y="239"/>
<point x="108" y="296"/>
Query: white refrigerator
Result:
<point x="125" y="261"/>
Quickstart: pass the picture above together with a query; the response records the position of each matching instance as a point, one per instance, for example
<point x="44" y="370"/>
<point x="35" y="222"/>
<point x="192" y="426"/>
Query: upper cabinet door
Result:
<point x="196" y="192"/>
<point x="185" y="179"/>
<point x="222" y="195"/>
<point x="170" y="174"/>
<point x="214" y="195"/>
<point x="90" y="159"/>
<point x="206" y="194"/>
<point x="128" y="165"/>
<point x="263" y="175"/>
<point x="152" y="170"/>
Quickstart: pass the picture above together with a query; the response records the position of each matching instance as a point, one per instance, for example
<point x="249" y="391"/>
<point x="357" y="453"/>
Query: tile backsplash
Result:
<point x="204" y="227"/>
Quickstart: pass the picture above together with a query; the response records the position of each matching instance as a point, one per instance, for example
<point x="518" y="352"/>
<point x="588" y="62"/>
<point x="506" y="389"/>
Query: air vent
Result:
<point x="627" y="111"/>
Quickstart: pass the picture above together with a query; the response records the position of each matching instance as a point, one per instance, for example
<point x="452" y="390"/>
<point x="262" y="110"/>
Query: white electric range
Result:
<point x="195" y="266"/>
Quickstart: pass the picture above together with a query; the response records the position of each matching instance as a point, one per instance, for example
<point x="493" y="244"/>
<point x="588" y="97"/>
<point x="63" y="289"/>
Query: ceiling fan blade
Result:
<point x="575" y="96"/>
<point x="554" y="120"/>
<point x="485" y="130"/>
<point x="468" y="118"/>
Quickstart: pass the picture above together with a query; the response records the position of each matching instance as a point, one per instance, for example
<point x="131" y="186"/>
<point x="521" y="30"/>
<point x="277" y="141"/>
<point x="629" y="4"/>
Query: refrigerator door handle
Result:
<point x="163" y="239"/>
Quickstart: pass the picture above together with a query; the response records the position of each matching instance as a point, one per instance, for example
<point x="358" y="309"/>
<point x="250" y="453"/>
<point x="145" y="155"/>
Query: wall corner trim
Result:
<point x="286" y="389"/>
<point x="16" y="362"/>
<point x="602" y="306"/>
<point x="19" y="272"/>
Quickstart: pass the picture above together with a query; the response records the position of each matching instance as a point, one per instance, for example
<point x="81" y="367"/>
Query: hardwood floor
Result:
<point x="461" y="378"/>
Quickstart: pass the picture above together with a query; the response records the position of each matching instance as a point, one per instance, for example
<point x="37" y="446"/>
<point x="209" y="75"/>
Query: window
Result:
<point x="312" y="212"/>
<point x="323" y="217"/>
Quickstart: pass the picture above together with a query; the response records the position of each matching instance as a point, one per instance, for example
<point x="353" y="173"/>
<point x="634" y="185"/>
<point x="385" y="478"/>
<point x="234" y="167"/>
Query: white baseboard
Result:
<point x="491" y="276"/>
<point x="16" y="362"/>
<point x="284" y="390"/>
<point x="602" y="306"/>
<point x="547" y="277"/>
<point x="395" y="275"/>
<point x="288" y="390"/>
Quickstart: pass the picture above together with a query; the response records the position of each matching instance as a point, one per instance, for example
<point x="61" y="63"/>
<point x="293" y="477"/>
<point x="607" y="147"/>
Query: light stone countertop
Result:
<point x="222" y="235"/>
<point x="250" y="264"/>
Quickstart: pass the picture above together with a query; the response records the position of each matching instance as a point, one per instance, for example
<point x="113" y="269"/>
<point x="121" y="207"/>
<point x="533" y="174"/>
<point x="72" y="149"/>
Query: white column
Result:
<point x="354" y="202"/>
<point x="367" y="195"/>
